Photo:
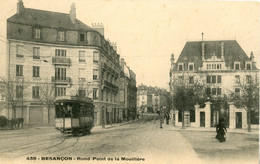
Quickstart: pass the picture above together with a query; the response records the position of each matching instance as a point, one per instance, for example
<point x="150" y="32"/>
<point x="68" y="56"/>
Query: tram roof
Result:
<point x="73" y="98"/>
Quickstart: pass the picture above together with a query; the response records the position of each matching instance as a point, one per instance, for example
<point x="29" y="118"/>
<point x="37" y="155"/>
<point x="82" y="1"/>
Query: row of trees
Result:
<point x="187" y="93"/>
<point x="13" y="90"/>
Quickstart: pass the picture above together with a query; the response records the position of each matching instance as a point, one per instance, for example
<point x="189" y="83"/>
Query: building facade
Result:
<point x="128" y="92"/>
<point x="220" y="66"/>
<point x="57" y="49"/>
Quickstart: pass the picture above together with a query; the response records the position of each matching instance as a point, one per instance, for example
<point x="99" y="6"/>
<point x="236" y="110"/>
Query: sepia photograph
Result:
<point x="129" y="81"/>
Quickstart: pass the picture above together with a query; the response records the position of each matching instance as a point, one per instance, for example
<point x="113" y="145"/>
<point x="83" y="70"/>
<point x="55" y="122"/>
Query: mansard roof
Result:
<point x="48" y="19"/>
<point x="192" y="53"/>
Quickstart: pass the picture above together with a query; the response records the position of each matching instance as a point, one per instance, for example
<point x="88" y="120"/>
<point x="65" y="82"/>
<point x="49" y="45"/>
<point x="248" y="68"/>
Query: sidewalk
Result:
<point x="108" y="126"/>
<point x="213" y="129"/>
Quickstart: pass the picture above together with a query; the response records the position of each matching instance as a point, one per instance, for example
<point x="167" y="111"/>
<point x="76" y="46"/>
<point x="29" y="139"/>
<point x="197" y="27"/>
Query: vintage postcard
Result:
<point x="129" y="81"/>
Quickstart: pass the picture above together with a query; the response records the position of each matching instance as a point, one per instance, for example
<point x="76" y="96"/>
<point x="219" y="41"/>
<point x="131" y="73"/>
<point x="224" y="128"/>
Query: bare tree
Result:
<point x="13" y="89"/>
<point x="82" y="89"/>
<point x="187" y="90"/>
<point x="46" y="96"/>
<point x="246" y="95"/>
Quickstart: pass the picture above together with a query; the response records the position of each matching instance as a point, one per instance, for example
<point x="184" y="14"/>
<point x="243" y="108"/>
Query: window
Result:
<point x="81" y="56"/>
<point x="191" y="80"/>
<point x="107" y="96"/>
<point x="219" y="79"/>
<point x="208" y="91"/>
<point x="60" y="91"/>
<point x="37" y="33"/>
<point x="36" y="71"/>
<point x="82" y="73"/>
<point x="19" y="70"/>
<point x="208" y="79"/>
<point x="180" y="116"/>
<point x="191" y="66"/>
<point x="95" y="57"/>
<point x="35" y="92"/>
<point x="19" y="91"/>
<point x="180" y="67"/>
<point x="217" y="66"/>
<point x="36" y="53"/>
<point x="237" y="79"/>
<point x="61" y="36"/>
<point x="19" y="52"/>
<point x="248" y="65"/>
<point x="213" y="79"/>
<point x="248" y="79"/>
<point x="219" y="91"/>
<point x="82" y="37"/>
<point x="95" y="96"/>
<point x="60" y="73"/>
<point x="237" y="66"/>
<point x="60" y="53"/>
<point x="82" y="93"/>
<point x="237" y="91"/>
<point x="95" y="74"/>
<point x="180" y="79"/>
<point x="214" y="91"/>
<point x="102" y="95"/>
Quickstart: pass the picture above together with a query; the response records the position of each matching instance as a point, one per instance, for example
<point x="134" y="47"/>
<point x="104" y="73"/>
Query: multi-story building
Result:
<point x="144" y="99"/>
<point x="219" y="66"/>
<point x="57" y="49"/>
<point x="128" y="91"/>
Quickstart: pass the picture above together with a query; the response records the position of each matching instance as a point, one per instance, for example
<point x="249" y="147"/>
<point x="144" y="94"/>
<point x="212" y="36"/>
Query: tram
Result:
<point x="74" y="114"/>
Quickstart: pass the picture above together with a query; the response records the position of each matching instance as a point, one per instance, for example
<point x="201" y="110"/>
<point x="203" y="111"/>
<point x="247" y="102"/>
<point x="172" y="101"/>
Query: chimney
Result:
<point x="99" y="27"/>
<point x="114" y="46"/>
<point x="172" y="61"/>
<point x="252" y="57"/>
<point x="222" y="50"/>
<point x="20" y="7"/>
<point x="202" y="47"/>
<point x="73" y="13"/>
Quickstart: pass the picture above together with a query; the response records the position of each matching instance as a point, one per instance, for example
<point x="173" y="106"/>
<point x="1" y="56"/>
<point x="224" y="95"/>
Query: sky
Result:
<point x="147" y="32"/>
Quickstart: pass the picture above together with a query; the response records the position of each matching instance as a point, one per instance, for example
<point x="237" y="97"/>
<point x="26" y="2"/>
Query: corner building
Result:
<point x="58" y="49"/>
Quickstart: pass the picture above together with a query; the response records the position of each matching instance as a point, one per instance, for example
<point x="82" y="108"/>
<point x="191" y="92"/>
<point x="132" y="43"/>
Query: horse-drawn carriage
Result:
<point x="74" y="114"/>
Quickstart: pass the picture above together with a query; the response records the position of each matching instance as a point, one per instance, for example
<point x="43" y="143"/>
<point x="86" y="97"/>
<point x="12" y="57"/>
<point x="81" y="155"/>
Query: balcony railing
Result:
<point x="109" y="85"/>
<point x="61" y="61"/>
<point x="60" y="80"/>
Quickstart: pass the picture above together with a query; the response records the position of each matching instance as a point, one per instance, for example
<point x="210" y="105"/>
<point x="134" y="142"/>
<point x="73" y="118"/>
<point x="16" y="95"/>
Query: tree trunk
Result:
<point x="249" y="120"/>
<point x="48" y="115"/>
<point x="183" y="119"/>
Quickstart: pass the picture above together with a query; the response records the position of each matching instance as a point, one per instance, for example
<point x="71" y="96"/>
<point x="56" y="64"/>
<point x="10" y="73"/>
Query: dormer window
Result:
<point x="61" y="36"/>
<point x="248" y="65"/>
<point x="37" y="33"/>
<point x="82" y="37"/>
<point x="237" y="65"/>
<point x="180" y="67"/>
<point x="191" y="66"/>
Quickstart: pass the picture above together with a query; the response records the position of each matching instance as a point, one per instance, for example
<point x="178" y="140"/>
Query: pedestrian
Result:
<point x="221" y="131"/>
<point x="167" y="117"/>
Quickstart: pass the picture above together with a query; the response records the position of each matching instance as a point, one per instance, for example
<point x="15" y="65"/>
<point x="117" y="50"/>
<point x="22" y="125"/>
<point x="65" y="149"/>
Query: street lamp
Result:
<point x="161" y="118"/>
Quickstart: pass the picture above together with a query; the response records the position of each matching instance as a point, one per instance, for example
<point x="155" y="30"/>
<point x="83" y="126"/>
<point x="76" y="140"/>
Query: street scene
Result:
<point x="139" y="141"/>
<point x="129" y="81"/>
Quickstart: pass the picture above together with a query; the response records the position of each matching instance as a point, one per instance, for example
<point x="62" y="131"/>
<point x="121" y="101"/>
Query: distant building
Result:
<point x="144" y="99"/>
<point x="219" y="66"/>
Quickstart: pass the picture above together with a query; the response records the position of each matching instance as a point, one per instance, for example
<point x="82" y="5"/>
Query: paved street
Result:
<point x="136" y="141"/>
<point x="140" y="139"/>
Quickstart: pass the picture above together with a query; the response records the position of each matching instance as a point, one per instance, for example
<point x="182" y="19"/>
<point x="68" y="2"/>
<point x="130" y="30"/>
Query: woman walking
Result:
<point x="221" y="131"/>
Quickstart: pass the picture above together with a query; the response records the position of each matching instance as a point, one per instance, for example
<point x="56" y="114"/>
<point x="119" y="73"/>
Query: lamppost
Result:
<point x="161" y="118"/>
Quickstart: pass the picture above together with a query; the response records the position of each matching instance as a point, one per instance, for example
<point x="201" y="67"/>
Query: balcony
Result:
<point x="57" y="80"/>
<point x="61" y="61"/>
<point x="109" y="85"/>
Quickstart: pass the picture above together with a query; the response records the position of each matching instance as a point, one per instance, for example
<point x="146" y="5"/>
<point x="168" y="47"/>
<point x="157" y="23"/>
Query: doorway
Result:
<point x="239" y="120"/>
<point x="202" y="119"/>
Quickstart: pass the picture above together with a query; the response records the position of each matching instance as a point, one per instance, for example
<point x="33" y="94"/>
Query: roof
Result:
<point x="192" y="52"/>
<point x="48" y="19"/>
